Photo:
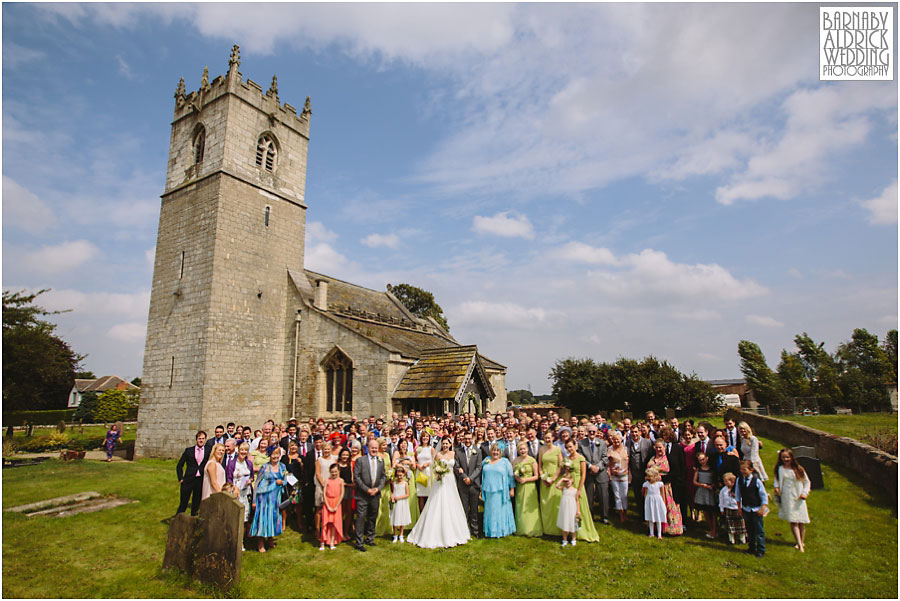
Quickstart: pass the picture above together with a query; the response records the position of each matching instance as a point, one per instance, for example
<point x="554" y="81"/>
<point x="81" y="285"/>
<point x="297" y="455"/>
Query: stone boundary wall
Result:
<point x="878" y="469"/>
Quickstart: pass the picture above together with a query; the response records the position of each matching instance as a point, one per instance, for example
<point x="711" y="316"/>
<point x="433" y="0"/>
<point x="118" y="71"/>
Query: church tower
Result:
<point x="221" y="328"/>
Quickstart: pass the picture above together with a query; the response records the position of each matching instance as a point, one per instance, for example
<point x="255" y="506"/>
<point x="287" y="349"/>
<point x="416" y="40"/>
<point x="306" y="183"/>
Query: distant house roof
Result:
<point x="734" y="382"/>
<point x="103" y="383"/>
<point x="442" y="374"/>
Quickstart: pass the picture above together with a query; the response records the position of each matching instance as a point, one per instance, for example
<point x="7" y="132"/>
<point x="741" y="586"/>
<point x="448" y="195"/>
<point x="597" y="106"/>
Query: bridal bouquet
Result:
<point x="568" y="463"/>
<point x="389" y="474"/>
<point x="440" y="468"/>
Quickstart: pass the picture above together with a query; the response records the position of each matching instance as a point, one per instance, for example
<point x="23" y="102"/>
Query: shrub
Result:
<point x="39" y="444"/>
<point x="84" y="411"/>
<point x="38" y="418"/>
<point x="883" y="440"/>
<point x="112" y="406"/>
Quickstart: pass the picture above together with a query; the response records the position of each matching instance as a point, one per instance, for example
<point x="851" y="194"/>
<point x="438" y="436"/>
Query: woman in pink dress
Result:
<point x="690" y="463"/>
<point x="214" y="472"/>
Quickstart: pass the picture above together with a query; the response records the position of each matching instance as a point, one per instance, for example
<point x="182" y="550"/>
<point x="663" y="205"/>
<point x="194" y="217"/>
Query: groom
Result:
<point x="368" y="478"/>
<point x="468" y="478"/>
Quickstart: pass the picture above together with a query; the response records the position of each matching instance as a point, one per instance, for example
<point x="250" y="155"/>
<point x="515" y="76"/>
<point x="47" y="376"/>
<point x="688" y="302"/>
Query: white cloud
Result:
<point x="128" y="332"/>
<point x="135" y="305"/>
<point x="317" y="232"/>
<point x="883" y="209"/>
<point x="61" y="257"/>
<point x="764" y="320"/>
<point x="376" y="240"/>
<point x="124" y="67"/>
<point x="579" y="252"/>
<point x="485" y="313"/>
<point x="24" y="210"/>
<point x="322" y="257"/>
<point x="821" y="124"/>
<point x="150" y="256"/>
<point x="15" y="55"/>
<point x="501" y="224"/>
<point x="697" y="315"/>
<point x="652" y="277"/>
<point x="709" y="357"/>
<point x="795" y="273"/>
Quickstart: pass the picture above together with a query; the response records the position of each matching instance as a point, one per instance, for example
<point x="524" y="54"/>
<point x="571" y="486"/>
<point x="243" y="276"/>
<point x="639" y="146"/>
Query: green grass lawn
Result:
<point x="851" y="552"/>
<point x="852" y="426"/>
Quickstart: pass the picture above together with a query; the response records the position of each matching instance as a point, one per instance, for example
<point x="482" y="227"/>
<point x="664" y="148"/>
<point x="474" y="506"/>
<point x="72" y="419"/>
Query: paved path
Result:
<point x="95" y="455"/>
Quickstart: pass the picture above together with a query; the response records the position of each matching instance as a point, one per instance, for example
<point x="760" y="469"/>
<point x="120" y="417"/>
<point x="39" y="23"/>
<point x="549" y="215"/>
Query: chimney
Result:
<point x="321" y="301"/>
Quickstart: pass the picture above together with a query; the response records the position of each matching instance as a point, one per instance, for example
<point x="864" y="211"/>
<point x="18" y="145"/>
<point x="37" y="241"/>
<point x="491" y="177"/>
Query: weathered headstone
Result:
<point x="208" y="547"/>
<point x="181" y="542"/>
<point x="9" y="431"/>
<point x="221" y="541"/>
<point x="670" y="413"/>
<point x="616" y="416"/>
<point x="29" y="428"/>
<point x="813" y="469"/>
<point x="804" y="452"/>
<point x="61" y="426"/>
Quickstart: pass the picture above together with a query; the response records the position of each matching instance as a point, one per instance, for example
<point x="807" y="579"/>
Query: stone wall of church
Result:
<point x="371" y="368"/>
<point x="498" y="383"/>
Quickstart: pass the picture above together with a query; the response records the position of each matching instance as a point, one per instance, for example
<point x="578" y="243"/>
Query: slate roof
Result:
<point x="441" y="373"/>
<point x="101" y="384"/>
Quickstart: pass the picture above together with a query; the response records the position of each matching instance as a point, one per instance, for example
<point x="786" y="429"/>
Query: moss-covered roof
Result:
<point x="442" y="373"/>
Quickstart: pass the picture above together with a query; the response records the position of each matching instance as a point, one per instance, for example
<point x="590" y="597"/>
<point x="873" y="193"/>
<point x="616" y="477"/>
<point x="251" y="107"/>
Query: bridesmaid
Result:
<point x="213" y="473"/>
<point x="586" y="530"/>
<point x="528" y="511"/>
<point x="550" y="459"/>
<point x="383" y="521"/>
<point x="404" y="456"/>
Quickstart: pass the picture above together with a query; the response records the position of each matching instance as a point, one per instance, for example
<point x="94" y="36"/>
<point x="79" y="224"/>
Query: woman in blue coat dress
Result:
<point x="497" y="490"/>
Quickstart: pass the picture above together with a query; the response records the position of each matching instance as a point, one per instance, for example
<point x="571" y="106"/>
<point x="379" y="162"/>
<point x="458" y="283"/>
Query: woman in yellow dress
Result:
<point x="550" y="460"/>
<point x="586" y="530"/>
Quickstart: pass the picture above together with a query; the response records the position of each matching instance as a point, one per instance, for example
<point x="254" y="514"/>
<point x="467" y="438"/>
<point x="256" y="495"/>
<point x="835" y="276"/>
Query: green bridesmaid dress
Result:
<point x="528" y="511"/>
<point x="550" y="495"/>
<point x="586" y="529"/>
<point x="383" y="521"/>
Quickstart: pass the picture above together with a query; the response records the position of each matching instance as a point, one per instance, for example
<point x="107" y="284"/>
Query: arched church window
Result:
<point x="338" y="383"/>
<point x="199" y="144"/>
<point x="266" y="152"/>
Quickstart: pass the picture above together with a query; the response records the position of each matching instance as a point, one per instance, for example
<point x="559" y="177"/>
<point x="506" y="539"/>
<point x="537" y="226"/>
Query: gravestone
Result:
<point x="61" y="426"/>
<point x="208" y="547"/>
<point x="813" y="469"/>
<point x="221" y="541"/>
<point x="805" y="452"/>
<point x="9" y="431"/>
<point x="670" y="413"/>
<point x="184" y="532"/>
<point x="617" y="416"/>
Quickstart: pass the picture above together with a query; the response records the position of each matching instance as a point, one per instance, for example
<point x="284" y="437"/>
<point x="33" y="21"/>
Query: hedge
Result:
<point x="50" y="418"/>
<point x="38" y="418"/>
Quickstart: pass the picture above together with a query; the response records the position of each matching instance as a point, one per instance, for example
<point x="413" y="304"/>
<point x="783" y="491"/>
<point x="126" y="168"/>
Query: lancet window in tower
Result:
<point x="338" y="383"/>
<point x="199" y="144"/>
<point x="266" y="152"/>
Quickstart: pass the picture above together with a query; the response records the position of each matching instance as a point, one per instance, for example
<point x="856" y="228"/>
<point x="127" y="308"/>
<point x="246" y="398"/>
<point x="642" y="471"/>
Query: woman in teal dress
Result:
<point x="404" y="456"/>
<point x="497" y="492"/>
<point x="528" y="511"/>
<point x="269" y="481"/>
<point x="383" y="521"/>
<point x="550" y="460"/>
<point x="586" y="530"/>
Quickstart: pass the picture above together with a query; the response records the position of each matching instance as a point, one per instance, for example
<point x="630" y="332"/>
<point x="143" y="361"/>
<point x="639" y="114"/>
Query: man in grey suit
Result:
<point x="368" y="479"/>
<point x="468" y="479"/>
<point x="639" y="452"/>
<point x="596" y="482"/>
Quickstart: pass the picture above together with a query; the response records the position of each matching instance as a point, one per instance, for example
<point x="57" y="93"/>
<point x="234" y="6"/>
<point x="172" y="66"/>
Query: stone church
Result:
<point x="238" y="329"/>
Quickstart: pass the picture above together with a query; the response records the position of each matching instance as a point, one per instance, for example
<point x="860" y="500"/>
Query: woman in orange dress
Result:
<point x="332" y="529"/>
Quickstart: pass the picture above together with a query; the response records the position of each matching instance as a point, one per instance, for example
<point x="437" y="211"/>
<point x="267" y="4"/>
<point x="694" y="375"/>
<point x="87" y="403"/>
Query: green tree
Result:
<point x="38" y="367"/>
<point x="820" y="371"/>
<point x="865" y="372"/>
<point x="791" y="376"/>
<point x="889" y="346"/>
<point x="85" y="410"/>
<point x="573" y="384"/>
<point x="520" y="397"/>
<point x="759" y="376"/>
<point x="419" y="302"/>
<point x="112" y="406"/>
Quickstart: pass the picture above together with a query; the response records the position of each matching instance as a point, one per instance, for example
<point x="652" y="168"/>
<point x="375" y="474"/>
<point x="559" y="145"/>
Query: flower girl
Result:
<point x="654" y="507"/>
<point x="567" y="518"/>
<point x="400" y="517"/>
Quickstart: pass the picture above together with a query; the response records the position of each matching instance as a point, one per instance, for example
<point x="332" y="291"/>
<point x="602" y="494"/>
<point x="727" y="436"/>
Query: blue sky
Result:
<point x="588" y="180"/>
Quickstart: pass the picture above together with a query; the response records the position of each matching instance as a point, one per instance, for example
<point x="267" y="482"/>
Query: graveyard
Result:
<point x="118" y="551"/>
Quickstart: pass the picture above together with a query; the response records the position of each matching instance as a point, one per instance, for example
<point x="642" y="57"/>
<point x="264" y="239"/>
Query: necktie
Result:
<point x="303" y="450"/>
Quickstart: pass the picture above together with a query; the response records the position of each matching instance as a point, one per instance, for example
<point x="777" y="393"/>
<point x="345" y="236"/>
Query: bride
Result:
<point x="443" y="521"/>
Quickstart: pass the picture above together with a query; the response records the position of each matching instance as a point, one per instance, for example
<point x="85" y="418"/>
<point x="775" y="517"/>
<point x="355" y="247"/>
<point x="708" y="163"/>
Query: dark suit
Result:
<point x="285" y="440"/>
<point x="676" y="476"/>
<point x="366" y="504"/>
<point x="191" y="479"/>
<point x="639" y="454"/>
<point x="486" y="448"/>
<point x="707" y="448"/>
<point x="596" y="485"/>
<point x="532" y="452"/>
<point x="469" y="494"/>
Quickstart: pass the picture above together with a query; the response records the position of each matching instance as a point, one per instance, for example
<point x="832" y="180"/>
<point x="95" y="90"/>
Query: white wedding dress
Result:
<point x="443" y="520"/>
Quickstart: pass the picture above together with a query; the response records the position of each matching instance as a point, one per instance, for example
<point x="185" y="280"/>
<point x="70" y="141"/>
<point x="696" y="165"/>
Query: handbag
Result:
<point x="422" y="478"/>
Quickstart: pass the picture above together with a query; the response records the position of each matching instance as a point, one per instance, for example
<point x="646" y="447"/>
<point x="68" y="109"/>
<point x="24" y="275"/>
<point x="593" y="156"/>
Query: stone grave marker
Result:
<point x="208" y="547"/>
<point x="813" y="469"/>
<point x="616" y="416"/>
<point x="804" y="452"/>
<point x="670" y="413"/>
